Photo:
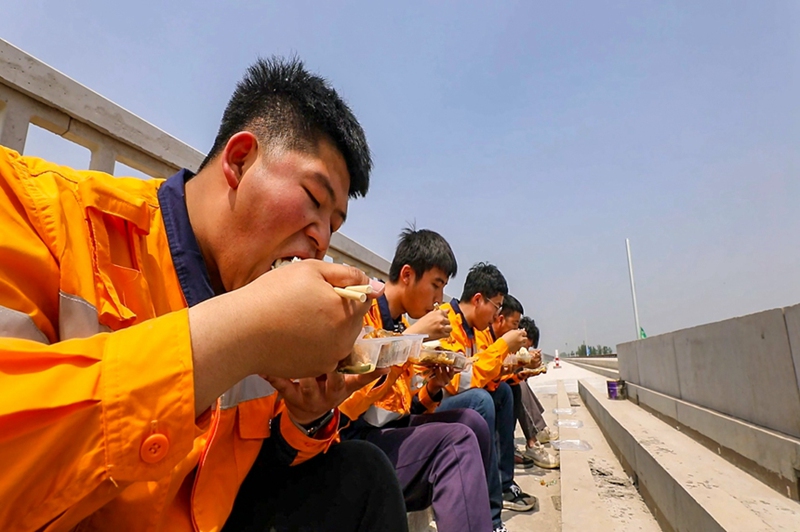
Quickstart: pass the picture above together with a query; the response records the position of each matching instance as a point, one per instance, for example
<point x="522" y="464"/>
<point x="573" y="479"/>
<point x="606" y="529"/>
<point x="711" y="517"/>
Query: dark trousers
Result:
<point x="528" y="410"/>
<point x="482" y="402"/>
<point x="505" y="425"/>
<point x="352" y="487"/>
<point x="441" y="461"/>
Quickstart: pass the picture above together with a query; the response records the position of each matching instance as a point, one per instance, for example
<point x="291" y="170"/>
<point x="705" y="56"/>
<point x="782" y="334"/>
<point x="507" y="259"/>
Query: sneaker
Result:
<point x="500" y="528"/>
<point x="541" y="457"/>
<point x="521" y="461"/>
<point x="547" y="435"/>
<point x="517" y="500"/>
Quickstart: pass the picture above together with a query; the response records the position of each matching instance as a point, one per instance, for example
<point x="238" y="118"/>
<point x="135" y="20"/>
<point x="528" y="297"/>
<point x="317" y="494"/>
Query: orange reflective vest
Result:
<point x="489" y="354"/>
<point x="97" y="424"/>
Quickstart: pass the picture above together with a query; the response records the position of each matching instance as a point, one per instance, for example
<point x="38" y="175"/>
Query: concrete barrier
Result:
<point x="743" y="367"/>
<point x="732" y="385"/>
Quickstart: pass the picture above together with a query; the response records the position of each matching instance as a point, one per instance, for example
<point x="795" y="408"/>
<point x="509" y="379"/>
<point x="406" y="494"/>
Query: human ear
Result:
<point x="240" y="152"/>
<point x="407" y="274"/>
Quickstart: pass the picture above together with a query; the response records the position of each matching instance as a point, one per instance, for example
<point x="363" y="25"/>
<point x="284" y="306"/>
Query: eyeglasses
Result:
<point x="495" y="305"/>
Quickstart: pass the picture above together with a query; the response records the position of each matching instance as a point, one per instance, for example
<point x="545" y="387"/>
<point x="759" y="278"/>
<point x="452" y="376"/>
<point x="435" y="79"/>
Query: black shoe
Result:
<point x="517" y="500"/>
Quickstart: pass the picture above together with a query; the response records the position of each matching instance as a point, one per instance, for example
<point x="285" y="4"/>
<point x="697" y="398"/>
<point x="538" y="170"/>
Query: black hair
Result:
<point x="485" y="279"/>
<point x="423" y="250"/>
<point x="284" y="105"/>
<point x="530" y="329"/>
<point x="511" y="305"/>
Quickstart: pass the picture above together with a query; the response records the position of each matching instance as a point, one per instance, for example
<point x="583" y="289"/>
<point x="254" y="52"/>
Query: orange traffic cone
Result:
<point x="557" y="364"/>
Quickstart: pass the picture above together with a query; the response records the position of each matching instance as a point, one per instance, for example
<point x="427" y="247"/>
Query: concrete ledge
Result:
<point x="581" y="507"/>
<point x="600" y="362"/>
<point x="605" y="372"/>
<point x="770" y="456"/>
<point x="687" y="486"/>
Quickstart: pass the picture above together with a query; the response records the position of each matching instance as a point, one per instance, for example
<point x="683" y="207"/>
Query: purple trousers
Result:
<point x="441" y="461"/>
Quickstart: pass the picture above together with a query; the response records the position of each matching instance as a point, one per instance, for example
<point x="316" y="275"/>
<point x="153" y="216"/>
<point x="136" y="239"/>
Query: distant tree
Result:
<point x="590" y="351"/>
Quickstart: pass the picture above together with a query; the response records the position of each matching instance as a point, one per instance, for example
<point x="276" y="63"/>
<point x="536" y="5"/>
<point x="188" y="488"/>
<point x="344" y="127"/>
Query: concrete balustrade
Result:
<point x="32" y="92"/>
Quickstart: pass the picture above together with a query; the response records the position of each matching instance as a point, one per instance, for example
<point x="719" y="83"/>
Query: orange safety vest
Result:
<point x="490" y="354"/>
<point x="97" y="423"/>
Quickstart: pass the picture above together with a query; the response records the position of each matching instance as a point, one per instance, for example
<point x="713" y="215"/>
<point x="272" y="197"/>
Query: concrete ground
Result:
<point x="625" y="507"/>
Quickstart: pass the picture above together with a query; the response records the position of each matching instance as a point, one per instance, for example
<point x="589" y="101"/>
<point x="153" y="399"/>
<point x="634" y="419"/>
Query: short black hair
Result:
<point x="531" y="329"/>
<point x="423" y="250"/>
<point x="485" y="279"/>
<point x="284" y="105"/>
<point x="511" y="305"/>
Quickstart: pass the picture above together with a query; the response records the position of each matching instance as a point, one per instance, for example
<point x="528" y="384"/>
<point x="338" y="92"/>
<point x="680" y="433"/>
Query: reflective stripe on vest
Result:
<point x="378" y="417"/>
<point x="16" y="324"/>
<point x="252" y="387"/>
<point x="77" y="318"/>
<point x="465" y="380"/>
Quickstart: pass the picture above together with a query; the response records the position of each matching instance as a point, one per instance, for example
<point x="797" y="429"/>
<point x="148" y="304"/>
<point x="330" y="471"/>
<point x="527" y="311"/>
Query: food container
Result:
<point x="436" y="357"/>
<point x="395" y="350"/>
<point x="362" y="359"/>
<point x="460" y="362"/>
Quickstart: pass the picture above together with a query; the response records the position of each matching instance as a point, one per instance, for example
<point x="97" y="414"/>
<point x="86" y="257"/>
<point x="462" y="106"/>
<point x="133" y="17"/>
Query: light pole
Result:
<point x="633" y="291"/>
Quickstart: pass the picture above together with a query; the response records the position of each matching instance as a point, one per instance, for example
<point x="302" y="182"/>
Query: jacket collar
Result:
<point x="388" y="322"/>
<point x="470" y="332"/>
<point x="186" y="255"/>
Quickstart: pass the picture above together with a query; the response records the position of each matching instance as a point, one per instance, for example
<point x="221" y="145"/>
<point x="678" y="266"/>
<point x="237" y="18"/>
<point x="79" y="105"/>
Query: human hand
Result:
<point x="527" y="373"/>
<point x="435" y="324"/>
<point x="439" y="378"/>
<point x="536" y="357"/>
<point x="288" y="323"/>
<point x="309" y="399"/>
<point x="515" y="339"/>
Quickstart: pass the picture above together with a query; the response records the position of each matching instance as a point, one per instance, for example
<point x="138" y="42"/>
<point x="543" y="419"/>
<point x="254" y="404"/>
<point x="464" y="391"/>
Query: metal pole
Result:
<point x="633" y="291"/>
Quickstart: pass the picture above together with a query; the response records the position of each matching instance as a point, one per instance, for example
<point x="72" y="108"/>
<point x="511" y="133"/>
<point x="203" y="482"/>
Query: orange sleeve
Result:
<point x="81" y="412"/>
<point x="426" y="400"/>
<point x="113" y="407"/>
<point x="307" y="447"/>
<point x="487" y="368"/>
<point x="362" y="399"/>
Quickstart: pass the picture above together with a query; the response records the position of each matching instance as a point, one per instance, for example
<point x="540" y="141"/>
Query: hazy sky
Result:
<point x="535" y="135"/>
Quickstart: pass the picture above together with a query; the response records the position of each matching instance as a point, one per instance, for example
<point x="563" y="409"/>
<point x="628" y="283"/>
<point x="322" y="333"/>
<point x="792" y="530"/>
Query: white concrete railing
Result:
<point x="32" y="92"/>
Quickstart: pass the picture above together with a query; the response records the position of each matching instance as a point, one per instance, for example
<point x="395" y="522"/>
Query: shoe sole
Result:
<point x="524" y="466"/>
<point x="518" y="507"/>
<point x="547" y="466"/>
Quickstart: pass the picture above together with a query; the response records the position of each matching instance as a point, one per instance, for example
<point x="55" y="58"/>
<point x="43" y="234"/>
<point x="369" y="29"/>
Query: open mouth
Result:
<point x="284" y="261"/>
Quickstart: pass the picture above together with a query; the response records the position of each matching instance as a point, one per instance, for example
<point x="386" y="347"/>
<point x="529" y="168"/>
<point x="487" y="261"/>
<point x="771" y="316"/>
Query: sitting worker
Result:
<point x="137" y="315"/>
<point x="441" y="459"/>
<point x="481" y="300"/>
<point x="527" y="409"/>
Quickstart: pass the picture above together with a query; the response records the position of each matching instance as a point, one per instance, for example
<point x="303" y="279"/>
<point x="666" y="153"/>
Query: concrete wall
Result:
<point x="744" y="367"/>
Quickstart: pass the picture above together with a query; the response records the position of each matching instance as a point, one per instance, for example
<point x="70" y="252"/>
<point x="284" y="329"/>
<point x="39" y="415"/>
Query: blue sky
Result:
<point x="535" y="135"/>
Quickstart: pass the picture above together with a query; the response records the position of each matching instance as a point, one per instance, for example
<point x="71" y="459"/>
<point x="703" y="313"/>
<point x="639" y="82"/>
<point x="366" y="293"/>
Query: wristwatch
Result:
<point x="312" y="428"/>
